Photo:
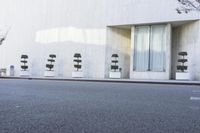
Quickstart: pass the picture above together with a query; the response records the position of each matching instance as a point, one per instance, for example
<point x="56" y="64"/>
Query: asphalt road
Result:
<point x="30" y="106"/>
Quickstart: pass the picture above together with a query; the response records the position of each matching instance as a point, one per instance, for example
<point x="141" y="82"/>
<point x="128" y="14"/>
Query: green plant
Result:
<point x="24" y="58"/>
<point x="182" y="67"/>
<point x="77" y="60"/>
<point x="188" y="6"/>
<point x="51" y="60"/>
<point x="114" y="62"/>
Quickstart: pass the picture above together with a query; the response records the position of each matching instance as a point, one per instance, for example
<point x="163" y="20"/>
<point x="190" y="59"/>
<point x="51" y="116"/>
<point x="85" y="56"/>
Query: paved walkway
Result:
<point x="175" y="82"/>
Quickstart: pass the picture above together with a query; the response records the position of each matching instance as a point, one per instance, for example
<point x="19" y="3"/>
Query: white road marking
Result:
<point x="195" y="98"/>
<point x="194" y="107"/>
<point x="196" y="91"/>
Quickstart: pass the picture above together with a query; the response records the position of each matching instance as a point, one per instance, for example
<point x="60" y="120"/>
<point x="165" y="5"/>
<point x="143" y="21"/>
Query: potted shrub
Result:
<point x="77" y="73"/>
<point x="24" y="66"/>
<point x="50" y="65"/>
<point x="182" y="73"/>
<point x="115" y="71"/>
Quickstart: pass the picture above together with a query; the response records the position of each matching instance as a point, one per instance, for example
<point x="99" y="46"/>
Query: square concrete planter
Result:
<point x="49" y="73"/>
<point x="3" y="72"/>
<point x="24" y="74"/>
<point x="77" y="74"/>
<point x="182" y="76"/>
<point x="115" y="75"/>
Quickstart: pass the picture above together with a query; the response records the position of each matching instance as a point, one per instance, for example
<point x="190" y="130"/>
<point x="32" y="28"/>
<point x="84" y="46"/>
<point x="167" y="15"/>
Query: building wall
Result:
<point x="118" y="42"/>
<point x="123" y="12"/>
<point x="187" y="38"/>
<point x="63" y="27"/>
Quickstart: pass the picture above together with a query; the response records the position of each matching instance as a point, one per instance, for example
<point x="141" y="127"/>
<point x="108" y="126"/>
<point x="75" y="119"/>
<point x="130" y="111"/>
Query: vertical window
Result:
<point x="141" y="49"/>
<point x="157" y="48"/>
<point x="150" y="48"/>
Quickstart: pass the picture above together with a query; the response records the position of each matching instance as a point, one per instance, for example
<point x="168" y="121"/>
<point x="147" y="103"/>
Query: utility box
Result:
<point x="11" y="71"/>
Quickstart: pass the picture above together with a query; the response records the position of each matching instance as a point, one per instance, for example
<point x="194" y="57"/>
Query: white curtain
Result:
<point x="150" y="48"/>
<point x="141" y="48"/>
<point x="157" y="48"/>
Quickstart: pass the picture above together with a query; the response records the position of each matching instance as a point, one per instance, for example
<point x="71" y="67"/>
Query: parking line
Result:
<point x="195" y="98"/>
<point x="196" y="91"/>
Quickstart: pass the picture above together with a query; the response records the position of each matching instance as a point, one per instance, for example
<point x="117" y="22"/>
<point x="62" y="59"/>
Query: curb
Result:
<point x="167" y="82"/>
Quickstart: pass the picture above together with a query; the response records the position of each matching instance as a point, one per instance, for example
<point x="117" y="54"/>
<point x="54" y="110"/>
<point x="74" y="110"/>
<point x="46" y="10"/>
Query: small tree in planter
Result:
<point x="182" y="67"/>
<point x="24" y="58"/>
<point x="182" y="74"/>
<point x="77" y="61"/>
<point x="114" y="62"/>
<point x="115" y="73"/>
<point x="50" y="66"/>
<point x="24" y="66"/>
<point x="51" y="60"/>
<point x="77" y="65"/>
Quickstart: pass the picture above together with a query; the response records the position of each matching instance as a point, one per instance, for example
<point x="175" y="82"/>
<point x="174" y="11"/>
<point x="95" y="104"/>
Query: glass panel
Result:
<point x="158" y="48"/>
<point x="141" y="48"/>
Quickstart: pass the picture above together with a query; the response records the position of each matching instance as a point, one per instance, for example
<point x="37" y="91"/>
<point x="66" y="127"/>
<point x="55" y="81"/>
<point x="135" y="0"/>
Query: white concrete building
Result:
<point x="147" y="36"/>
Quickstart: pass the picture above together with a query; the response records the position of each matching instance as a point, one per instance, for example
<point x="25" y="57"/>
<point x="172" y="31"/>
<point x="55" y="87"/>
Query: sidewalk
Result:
<point x="173" y="82"/>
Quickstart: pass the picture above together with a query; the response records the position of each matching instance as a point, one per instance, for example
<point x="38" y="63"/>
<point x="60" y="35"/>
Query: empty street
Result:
<point x="33" y="106"/>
